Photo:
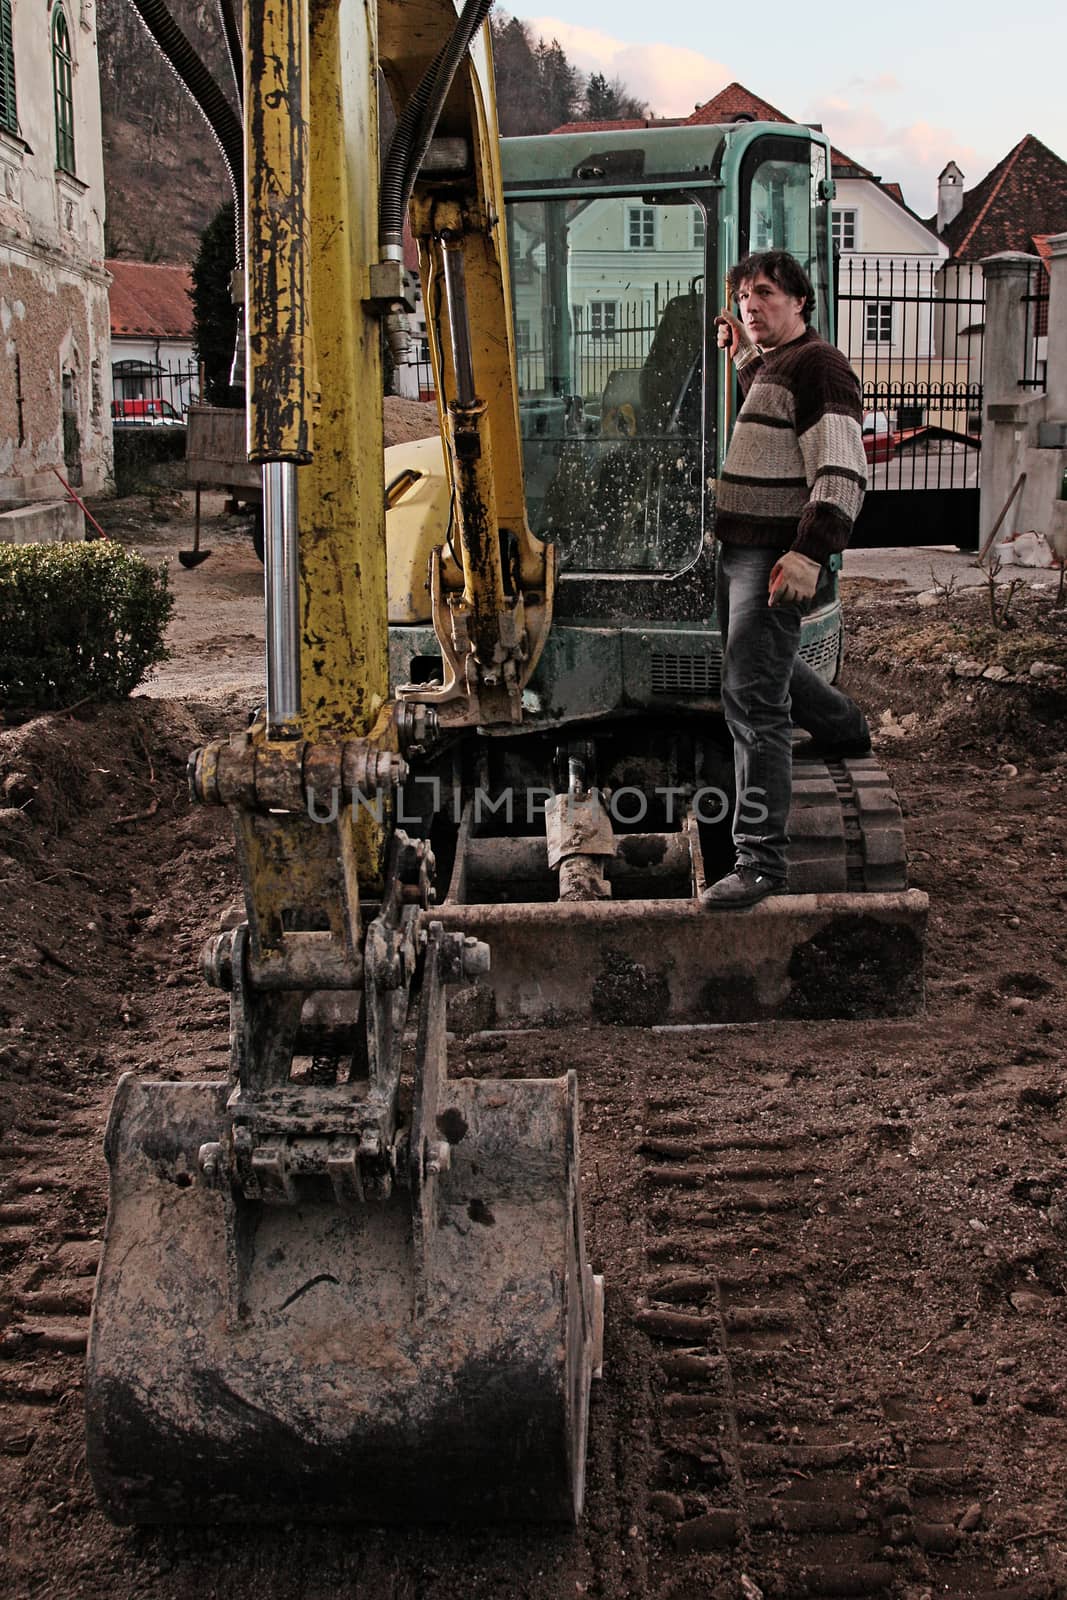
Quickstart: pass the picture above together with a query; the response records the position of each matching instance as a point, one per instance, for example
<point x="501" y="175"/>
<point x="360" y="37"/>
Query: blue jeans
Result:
<point x="766" y="688"/>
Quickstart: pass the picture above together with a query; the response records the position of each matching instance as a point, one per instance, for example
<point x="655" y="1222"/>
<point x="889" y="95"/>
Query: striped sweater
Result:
<point x="795" y="471"/>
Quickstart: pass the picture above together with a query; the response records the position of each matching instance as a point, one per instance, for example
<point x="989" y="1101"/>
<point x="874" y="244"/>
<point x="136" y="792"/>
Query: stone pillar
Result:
<point x="1056" y="377"/>
<point x="1006" y="280"/>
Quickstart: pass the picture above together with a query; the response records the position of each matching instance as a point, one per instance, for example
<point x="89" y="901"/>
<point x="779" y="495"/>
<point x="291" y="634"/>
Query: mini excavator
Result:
<point x="339" y="1283"/>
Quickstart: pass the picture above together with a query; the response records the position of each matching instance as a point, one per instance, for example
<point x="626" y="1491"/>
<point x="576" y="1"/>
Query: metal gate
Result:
<point x="914" y="333"/>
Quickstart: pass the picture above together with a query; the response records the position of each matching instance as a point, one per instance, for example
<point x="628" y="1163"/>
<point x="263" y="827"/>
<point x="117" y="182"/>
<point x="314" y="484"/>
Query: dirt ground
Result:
<point x="836" y="1351"/>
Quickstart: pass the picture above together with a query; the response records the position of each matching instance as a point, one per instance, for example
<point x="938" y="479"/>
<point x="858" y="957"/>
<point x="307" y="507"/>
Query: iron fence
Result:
<point x="914" y="332"/>
<point x="153" y="392"/>
<point x="1035" y="337"/>
<point x="608" y="338"/>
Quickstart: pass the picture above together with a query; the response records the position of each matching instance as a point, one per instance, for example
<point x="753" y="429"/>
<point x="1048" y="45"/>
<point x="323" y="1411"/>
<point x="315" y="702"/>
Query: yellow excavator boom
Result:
<point x="337" y="1282"/>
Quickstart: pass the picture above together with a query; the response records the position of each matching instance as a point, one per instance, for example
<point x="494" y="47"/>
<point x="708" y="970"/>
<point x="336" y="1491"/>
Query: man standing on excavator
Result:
<point x="791" y="489"/>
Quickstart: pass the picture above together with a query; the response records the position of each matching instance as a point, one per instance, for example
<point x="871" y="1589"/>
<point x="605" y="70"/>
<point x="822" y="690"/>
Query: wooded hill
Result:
<point x="164" y="175"/>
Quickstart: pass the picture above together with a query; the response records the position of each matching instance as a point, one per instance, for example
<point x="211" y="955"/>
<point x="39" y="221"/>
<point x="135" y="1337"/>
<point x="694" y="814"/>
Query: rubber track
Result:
<point x="846" y="807"/>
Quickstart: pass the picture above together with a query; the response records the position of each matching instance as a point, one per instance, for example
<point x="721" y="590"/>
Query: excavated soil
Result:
<point x="835" y="1355"/>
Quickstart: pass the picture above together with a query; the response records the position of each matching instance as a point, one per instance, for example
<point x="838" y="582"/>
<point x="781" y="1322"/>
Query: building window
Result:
<point x="641" y="227"/>
<point x="698" y="228"/>
<point x="9" y="120"/>
<point x="843" y="224"/>
<point x="603" y="319"/>
<point x="63" y="90"/>
<point x="879" y="328"/>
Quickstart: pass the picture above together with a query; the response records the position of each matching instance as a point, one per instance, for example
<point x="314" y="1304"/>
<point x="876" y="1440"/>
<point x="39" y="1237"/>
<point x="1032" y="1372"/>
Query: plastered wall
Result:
<point x="54" y="326"/>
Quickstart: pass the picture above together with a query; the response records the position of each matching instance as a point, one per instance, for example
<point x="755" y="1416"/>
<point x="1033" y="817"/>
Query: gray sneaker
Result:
<point x="742" y="887"/>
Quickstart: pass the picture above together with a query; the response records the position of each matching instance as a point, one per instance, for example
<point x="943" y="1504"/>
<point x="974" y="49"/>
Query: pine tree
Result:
<point x="609" y="102"/>
<point x="214" y="314"/>
<point x="599" y="99"/>
<point x="561" y="84"/>
<point x="537" y="87"/>
<point x="517" y="88"/>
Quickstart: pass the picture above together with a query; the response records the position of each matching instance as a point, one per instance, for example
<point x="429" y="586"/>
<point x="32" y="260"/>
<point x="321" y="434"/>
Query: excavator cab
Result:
<point x="618" y="247"/>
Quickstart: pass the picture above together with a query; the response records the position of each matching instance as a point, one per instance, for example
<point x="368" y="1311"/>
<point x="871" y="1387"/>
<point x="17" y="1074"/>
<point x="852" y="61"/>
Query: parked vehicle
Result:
<point x="145" y="411"/>
<point x="879" y="442"/>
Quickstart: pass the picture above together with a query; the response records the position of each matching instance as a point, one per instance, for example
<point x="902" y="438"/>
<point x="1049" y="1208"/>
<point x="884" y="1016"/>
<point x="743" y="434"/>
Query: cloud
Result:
<point x="911" y="155"/>
<point x="674" y="80"/>
<point x="884" y="83"/>
<point x="671" y="79"/>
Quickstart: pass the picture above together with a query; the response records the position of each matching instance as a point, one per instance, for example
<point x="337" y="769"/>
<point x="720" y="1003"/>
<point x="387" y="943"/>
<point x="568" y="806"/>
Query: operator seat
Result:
<point x="671" y="364"/>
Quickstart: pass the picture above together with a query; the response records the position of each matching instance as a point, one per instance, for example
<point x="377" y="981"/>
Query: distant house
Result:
<point x="53" y="286"/>
<point x="1016" y="206"/>
<point x="888" y="259"/>
<point x="1023" y="197"/>
<point x="152" y="334"/>
<point x="869" y="217"/>
<point x="413" y="378"/>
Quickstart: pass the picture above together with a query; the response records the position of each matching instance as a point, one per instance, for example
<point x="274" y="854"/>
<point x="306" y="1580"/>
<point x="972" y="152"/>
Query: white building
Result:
<point x="54" y="376"/>
<point x="152" y="335"/>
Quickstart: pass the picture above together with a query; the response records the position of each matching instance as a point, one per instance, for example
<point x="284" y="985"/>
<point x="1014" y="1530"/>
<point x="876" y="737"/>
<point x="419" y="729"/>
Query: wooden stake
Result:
<point x="1020" y="480"/>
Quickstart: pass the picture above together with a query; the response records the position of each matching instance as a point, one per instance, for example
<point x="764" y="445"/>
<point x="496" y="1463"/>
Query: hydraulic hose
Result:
<point x="231" y="32"/>
<point x="415" y="127"/>
<point x="194" y="75"/>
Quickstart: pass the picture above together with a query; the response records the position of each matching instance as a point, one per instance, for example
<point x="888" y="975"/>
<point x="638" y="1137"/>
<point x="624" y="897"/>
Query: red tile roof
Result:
<point x="1024" y="196"/>
<point x="735" y="103"/>
<point x="150" y="300"/>
<point x="608" y="126"/>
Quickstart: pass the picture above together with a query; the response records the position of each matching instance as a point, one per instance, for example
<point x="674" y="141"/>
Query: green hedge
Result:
<point x="139" y="451"/>
<point x="78" y="621"/>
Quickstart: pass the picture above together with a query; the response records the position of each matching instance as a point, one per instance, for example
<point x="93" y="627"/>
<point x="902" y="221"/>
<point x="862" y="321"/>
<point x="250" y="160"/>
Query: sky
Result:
<point x="901" y="88"/>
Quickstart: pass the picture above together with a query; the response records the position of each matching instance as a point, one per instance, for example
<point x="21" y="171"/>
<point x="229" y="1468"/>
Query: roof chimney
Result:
<point x="949" y="195"/>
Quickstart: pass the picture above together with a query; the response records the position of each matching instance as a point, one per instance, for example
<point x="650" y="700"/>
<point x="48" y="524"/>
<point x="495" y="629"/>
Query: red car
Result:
<point x="145" y="412"/>
<point x="879" y="443"/>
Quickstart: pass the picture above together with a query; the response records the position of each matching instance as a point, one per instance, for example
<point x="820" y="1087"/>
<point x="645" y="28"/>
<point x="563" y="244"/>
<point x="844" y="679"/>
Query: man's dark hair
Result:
<point x="783" y="270"/>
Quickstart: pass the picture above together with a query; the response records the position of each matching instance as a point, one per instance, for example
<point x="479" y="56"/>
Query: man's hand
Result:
<point x="794" y="578"/>
<point x="731" y="336"/>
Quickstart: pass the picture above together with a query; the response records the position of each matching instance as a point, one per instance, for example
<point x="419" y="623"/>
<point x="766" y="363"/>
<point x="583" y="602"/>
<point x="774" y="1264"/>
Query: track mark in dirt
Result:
<point x="770" y="1460"/>
<point x="48" y="1250"/>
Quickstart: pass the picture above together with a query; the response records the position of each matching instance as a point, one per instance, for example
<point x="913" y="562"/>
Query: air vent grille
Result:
<point x="822" y="652"/>
<point x="685" y="674"/>
<point x="681" y="674"/>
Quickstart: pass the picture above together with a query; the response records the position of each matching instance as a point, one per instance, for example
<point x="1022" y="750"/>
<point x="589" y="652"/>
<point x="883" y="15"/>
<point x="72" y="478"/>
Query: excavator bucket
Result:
<point x="314" y="1346"/>
<point x="590" y="923"/>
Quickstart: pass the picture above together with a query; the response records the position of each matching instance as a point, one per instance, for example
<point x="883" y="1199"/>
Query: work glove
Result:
<point x="731" y="336"/>
<point x="793" y="579"/>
